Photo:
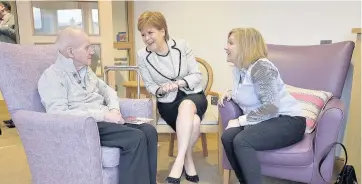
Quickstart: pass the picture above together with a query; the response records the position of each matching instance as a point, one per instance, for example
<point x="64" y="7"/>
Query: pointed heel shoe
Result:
<point x="194" y="179"/>
<point x="170" y="180"/>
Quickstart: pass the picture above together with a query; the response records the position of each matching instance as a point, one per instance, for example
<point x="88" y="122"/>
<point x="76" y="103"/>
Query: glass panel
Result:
<point x="120" y="23"/>
<point x="50" y="17"/>
<point x="96" y="64"/>
<point x="121" y="57"/>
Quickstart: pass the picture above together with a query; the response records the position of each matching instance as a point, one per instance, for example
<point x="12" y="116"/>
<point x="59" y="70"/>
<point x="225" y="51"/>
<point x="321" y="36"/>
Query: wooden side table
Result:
<point x="131" y="89"/>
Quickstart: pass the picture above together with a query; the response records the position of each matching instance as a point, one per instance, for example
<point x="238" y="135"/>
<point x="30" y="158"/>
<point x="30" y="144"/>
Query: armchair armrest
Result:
<point x="230" y="111"/>
<point x="212" y="93"/>
<point x="60" y="148"/>
<point x="136" y="107"/>
<point x="327" y="131"/>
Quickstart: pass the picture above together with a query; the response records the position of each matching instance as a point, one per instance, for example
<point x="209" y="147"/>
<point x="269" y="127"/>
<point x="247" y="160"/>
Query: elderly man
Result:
<point x="70" y="87"/>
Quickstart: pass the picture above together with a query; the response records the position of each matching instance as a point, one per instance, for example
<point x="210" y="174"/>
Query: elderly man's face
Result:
<point x="82" y="51"/>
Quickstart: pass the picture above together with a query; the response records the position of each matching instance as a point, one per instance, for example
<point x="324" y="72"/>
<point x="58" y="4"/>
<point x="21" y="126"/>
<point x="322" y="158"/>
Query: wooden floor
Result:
<point x="4" y="114"/>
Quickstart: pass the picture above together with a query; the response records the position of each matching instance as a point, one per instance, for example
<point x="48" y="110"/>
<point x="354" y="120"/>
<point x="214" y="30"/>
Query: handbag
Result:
<point x="347" y="174"/>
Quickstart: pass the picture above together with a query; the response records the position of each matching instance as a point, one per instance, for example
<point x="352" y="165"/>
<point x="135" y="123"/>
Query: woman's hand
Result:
<point x="169" y="87"/>
<point x="226" y="95"/>
<point x="181" y="83"/>
<point x="233" y="124"/>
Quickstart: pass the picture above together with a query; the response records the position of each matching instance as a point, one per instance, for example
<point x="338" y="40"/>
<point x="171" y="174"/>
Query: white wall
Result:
<point x="205" y="25"/>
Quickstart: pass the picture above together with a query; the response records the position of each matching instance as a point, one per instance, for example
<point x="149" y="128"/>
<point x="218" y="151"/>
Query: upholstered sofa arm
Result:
<point x="327" y="131"/>
<point x="60" y="148"/>
<point x="136" y="107"/>
<point x="230" y="111"/>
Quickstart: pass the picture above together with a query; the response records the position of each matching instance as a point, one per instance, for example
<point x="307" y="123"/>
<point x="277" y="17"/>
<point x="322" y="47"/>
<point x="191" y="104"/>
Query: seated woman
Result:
<point x="272" y="118"/>
<point x="170" y="72"/>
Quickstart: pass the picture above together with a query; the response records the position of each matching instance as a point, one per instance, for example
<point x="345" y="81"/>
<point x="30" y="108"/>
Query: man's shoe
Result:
<point x="9" y="123"/>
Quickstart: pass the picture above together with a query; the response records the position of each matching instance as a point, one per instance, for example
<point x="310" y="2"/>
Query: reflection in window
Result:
<point x="50" y="17"/>
<point x="68" y="18"/>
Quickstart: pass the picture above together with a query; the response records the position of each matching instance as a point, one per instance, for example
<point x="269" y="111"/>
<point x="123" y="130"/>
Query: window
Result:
<point x="50" y="17"/>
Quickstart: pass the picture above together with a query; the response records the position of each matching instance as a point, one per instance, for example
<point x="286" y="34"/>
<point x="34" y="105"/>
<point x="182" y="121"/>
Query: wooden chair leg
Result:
<point x="171" y="144"/>
<point x="204" y="144"/>
<point x="226" y="176"/>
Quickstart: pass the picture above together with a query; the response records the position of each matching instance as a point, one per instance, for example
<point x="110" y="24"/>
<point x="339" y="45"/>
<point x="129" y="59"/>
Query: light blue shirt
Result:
<point x="261" y="94"/>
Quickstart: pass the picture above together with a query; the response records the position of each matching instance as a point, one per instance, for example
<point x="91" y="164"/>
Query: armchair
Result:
<point x="60" y="149"/>
<point x="319" y="67"/>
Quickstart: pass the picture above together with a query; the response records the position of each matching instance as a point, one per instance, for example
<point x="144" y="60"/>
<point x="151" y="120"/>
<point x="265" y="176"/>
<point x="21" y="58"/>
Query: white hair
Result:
<point x="67" y="38"/>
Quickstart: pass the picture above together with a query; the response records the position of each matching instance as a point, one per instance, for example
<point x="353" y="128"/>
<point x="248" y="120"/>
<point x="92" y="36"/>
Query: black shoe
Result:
<point x="170" y="180"/>
<point x="8" y="121"/>
<point x="0" y="131"/>
<point x="11" y="125"/>
<point x="194" y="179"/>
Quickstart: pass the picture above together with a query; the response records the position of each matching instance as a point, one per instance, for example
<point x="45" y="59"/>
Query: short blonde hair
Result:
<point x="155" y="19"/>
<point x="251" y="46"/>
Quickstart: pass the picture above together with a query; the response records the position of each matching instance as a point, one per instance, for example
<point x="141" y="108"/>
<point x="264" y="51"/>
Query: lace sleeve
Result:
<point x="265" y="78"/>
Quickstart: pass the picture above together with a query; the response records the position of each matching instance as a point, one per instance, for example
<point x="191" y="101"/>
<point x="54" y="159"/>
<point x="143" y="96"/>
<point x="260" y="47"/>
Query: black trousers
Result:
<point x="241" y="144"/>
<point x="138" y="144"/>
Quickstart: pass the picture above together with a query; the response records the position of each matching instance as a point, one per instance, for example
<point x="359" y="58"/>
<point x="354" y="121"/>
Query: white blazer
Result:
<point x="154" y="73"/>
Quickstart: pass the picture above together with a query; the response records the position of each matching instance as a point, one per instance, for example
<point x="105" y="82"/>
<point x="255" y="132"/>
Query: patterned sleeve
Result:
<point x="265" y="78"/>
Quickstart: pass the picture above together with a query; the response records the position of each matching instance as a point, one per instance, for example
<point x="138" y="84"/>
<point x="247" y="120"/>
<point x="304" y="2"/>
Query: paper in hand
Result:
<point x="137" y="120"/>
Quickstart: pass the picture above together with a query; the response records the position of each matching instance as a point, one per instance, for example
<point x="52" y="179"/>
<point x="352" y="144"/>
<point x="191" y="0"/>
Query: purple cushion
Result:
<point x="300" y="154"/>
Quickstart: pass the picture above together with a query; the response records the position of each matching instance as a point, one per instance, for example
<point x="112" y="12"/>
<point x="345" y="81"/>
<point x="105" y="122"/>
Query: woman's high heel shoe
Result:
<point x="170" y="180"/>
<point x="194" y="179"/>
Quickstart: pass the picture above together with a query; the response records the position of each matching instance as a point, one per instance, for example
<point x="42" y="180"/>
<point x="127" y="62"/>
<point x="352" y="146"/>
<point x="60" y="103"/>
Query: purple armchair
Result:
<point x="319" y="67"/>
<point x="60" y="149"/>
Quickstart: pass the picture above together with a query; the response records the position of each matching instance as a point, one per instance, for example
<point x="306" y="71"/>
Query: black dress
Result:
<point x="169" y="111"/>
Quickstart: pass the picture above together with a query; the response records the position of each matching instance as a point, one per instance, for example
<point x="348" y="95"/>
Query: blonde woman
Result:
<point x="271" y="119"/>
<point x="170" y="72"/>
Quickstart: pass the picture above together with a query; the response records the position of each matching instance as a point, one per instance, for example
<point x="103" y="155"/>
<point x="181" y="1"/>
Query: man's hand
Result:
<point x="114" y="116"/>
<point x="233" y="124"/>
